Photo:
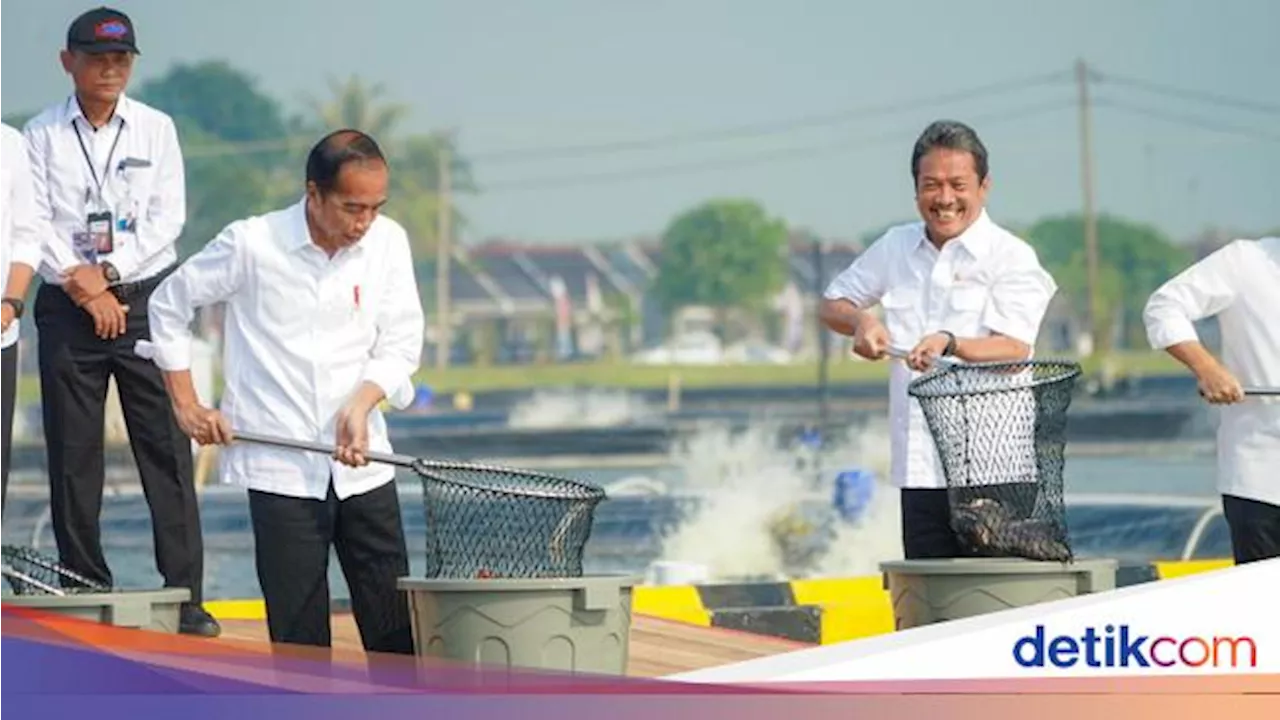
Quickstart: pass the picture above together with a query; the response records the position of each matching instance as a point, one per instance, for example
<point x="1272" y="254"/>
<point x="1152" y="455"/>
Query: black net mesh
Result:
<point x="30" y="573"/>
<point x="1000" y="431"/>
<point x="493" y="522"/>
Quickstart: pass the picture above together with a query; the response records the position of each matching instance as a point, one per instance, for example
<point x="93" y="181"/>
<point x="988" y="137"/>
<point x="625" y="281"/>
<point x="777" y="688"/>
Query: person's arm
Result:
<point x="395" y="357"/>
<point x="849" y="296"/>
<point x="1019" y="300"/>
<point x="1201" y="291"/>
<point x="163" y="214"/>
<point x="29" y="230"/>
<point x="212" y="275"/>
<point x="397" y="353"/>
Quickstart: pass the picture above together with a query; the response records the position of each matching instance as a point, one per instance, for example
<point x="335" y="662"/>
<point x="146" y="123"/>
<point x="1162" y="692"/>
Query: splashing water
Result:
<point x="761" y="506"/>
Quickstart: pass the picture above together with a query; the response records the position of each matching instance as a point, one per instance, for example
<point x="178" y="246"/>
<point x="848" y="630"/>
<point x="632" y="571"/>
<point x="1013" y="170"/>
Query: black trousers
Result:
<point x="1254" y="527"/>
<point x="926" y="525"/>
<point x="75" y="366"/>
<point x="8" y="390"/>
<point x="292" y="537"/>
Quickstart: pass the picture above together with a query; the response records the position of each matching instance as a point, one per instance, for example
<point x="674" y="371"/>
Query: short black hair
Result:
<point x="953" y="135"/>
<point x="337" y="149"/>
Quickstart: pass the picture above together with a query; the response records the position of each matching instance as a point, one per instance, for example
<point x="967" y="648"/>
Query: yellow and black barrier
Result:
<point x="819" y="611"/>
<point x="825" y="611"/>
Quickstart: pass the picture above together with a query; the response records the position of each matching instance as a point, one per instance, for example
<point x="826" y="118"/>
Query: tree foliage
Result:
<point x="1133" y="260"/>
<point x="723" y="253"/>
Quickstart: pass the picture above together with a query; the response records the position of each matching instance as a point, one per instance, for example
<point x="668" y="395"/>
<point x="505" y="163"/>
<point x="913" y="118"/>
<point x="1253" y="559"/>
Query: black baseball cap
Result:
<point x="102" y="30"/>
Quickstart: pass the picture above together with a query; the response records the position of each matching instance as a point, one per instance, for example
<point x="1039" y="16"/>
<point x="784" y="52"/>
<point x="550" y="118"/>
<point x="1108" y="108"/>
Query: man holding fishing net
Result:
<point x="955" y="284"/>
<point x="1239" y="284"/>
<point x="323" y="322"/>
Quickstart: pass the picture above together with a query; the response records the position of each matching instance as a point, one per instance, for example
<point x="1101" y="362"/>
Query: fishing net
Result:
<point x="30" y="573"/>
<point x="1000" y="432"/>
<point x="493" y="522"/>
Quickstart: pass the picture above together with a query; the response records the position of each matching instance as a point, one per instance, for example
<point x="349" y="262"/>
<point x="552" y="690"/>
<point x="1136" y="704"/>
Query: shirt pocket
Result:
<point x="965" y="304"/>
<point x="901" y="316"/>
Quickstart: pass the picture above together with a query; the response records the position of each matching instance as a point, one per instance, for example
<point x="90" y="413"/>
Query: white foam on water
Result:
<point x="750" y="490"/>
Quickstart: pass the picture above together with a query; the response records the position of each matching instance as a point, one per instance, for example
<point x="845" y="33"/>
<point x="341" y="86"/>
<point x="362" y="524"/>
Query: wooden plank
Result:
<point x="658" y="647"/>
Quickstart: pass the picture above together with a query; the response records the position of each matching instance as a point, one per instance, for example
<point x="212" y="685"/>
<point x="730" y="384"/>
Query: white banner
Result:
<point x="1218" y="622"/>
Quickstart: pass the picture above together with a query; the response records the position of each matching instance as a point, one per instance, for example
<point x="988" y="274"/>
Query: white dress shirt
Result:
<point x="20" y="228"/>
<point x="1240" y="284"/>
<point x="303" y="332"/>
<point x="137" y="160"/>
<point x="984" y="281"/>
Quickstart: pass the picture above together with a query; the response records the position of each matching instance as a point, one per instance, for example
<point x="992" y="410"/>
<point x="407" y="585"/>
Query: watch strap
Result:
<point x="15" y="303"/>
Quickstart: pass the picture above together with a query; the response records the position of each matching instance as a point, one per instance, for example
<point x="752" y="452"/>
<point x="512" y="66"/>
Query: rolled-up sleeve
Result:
<point x="210" y="276"/>
<point x="864" y="282"/>
<point x="1020" y="298"/>
<point x="397" y="352"/>
<point x="30" y="230"/>
<point x="1201" y="291"/>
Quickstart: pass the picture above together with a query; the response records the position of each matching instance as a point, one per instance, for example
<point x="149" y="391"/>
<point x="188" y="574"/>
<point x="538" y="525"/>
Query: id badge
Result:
<point x="101" y="233"/>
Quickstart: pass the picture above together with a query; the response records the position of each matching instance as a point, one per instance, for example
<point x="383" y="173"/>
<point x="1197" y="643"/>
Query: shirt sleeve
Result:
<point x="55" y="254"/>
<point x="397" y="352"/>
<point x="864" y="282"/>
<point x="210" y="276"/>
<point x="29" y="231"/>
<point x="1201" y="291"/>
<point x="163" y="214"/>
<point x="1020" y="298"/>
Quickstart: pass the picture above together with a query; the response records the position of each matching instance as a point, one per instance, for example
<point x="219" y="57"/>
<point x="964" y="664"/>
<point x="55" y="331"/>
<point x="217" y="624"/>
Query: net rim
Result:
<point x="1065" y="371"/>
<point x="569" y="490"/>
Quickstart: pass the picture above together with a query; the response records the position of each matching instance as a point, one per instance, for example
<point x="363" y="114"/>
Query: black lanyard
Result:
<point x="89" y="161"/>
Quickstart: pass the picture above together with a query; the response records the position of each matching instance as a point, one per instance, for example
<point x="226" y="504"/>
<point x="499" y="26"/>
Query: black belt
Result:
<point x="126" y="290"/>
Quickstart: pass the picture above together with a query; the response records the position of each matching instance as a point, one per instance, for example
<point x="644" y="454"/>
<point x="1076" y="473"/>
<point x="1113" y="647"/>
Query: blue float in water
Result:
<point x="854" y="489"/>
<point x="422" y="396"/>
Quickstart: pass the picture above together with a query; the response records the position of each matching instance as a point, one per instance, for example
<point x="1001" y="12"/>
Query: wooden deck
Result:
<point x="658" y="647"/>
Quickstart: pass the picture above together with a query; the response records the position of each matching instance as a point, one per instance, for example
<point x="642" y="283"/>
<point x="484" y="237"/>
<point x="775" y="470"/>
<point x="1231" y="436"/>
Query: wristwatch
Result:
<point x="950" y="349"/>
<point x="109" y="272"/>
<point x="16" y="304"/>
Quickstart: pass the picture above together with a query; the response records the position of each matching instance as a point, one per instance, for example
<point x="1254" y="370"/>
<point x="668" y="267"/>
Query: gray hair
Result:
<point x="952" y="135"/>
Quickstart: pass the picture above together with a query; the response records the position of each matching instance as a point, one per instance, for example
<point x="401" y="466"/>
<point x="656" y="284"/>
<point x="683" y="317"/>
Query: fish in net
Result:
<point x="1000" y="433"/>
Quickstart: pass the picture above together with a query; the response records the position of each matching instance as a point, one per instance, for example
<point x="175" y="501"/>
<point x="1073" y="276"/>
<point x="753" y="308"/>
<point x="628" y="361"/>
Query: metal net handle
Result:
<point x="942" y="360"/>
<point x="406" y="461"/>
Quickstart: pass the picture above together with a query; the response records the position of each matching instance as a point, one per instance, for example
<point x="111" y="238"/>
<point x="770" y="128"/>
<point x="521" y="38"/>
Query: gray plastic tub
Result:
<point x="931" y="591"/>
<point x="157" y="610"/>
<point x="563" y="624"/>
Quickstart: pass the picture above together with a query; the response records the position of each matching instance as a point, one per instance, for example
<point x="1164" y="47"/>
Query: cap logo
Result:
<point x="110" y="30"/>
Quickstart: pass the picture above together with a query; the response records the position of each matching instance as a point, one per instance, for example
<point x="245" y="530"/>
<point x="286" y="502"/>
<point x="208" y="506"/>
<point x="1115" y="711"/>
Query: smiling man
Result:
<point x="955" y="284"/>
<point x="323" y="322"/>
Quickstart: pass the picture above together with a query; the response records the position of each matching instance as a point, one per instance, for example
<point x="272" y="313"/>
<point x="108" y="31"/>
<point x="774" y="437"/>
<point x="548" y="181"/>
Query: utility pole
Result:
<point x="1096" y="326"/>
<point x="444" y="249"/>
<point x="824" y="420"/>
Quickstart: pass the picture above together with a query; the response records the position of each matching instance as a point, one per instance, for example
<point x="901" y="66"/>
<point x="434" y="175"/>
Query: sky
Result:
<point x="801" y="75"/>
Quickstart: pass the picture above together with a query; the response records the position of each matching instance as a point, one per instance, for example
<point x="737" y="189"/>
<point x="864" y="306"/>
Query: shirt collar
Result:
<point x="124" y="110"/>
<point x="976" y="239"/>
<point x="300" y="235"/>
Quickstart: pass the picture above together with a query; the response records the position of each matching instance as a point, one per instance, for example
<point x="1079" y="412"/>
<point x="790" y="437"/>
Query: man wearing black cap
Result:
<point x="110" y="178"/>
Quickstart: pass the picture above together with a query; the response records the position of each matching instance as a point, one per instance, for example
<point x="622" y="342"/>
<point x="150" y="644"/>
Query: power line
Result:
<point x="759" y="129"/>
<point x="1184" y="94"/>
<point x="755" y="158"/>
<point x="774" y="127"/>
<point x="1187" y="120"/>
